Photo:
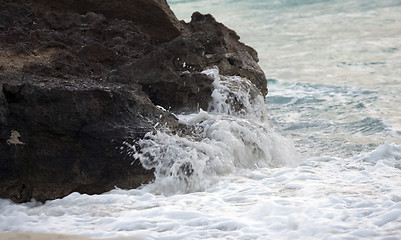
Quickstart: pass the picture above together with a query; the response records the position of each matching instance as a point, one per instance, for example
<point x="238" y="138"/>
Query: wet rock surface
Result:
<point x="80" y="78"/>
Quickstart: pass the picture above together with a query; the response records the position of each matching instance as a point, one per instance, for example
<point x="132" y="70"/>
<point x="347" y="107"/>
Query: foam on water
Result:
<point x="328" y="119"/>
<point x="338" y="43"/>
<point x="324" y="198"/>
<point x="233" y="134"/>
<point x="334" y="84"/>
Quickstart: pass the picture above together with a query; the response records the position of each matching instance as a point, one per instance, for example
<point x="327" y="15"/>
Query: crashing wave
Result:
<point x="231" y="135"/>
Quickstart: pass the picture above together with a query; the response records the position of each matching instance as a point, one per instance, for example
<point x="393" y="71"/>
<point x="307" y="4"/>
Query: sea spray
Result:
<point x="349" y="184"/>
<point x="231" y="135"/>
<point x="235" y="96"/>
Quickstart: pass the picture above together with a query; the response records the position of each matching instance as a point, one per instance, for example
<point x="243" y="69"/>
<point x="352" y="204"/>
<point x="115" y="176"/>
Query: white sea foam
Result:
<point x="335" y="92"/>
<point x="233" y="134"/>
<point x="324" y="198"/>
<point x="236" y="96"/>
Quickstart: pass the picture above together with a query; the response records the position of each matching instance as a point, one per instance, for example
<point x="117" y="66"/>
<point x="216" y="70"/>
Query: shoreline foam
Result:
<point x="49" y="236"/>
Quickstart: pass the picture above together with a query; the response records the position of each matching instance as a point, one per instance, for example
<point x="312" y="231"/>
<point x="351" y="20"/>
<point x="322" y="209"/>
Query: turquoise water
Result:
<point x="334" y="67"/>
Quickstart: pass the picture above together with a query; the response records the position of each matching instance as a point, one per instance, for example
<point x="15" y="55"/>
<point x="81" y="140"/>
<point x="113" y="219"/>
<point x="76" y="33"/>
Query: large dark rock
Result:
<point x="61" y="136"/>
<point x="154" y="17"/>
<point x="206" y="44"/>
<point x="224" y="50"/>
<point x="80" y="78"/>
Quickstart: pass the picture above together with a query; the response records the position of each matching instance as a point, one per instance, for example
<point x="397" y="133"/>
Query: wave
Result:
<point x="233" y="134"/>
<point x="388" y="154"/>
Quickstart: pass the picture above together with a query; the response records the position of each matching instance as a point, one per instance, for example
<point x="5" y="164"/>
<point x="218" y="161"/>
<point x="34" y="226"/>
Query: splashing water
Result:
<point x="334" y="84"/>
<point x="235" y="96"/>
<point x="230" y="136"/>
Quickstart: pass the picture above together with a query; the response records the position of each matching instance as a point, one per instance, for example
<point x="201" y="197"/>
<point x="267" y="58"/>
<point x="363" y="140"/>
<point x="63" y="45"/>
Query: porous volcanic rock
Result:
<point x="80" y="78"/>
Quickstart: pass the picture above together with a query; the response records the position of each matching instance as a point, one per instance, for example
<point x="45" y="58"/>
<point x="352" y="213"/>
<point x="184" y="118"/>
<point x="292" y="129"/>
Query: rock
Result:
<point x="65" y="136"/>
<point x="82" y="80"/>
<point x="154" y="17"/>
<point x="206" y="44"/>
<point x="226" y="51"/>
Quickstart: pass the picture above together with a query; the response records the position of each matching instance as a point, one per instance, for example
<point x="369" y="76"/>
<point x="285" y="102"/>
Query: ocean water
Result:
<point x="319" y="158"/>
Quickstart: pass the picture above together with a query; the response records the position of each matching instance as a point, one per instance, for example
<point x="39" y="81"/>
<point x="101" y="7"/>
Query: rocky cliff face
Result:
<point x="78" y="78"/>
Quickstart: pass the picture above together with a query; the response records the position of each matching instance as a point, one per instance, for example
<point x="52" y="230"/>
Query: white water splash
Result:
<point x="231" y="135"/>
<point x="235" y="96"/>
<point x="340" y="116"/>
